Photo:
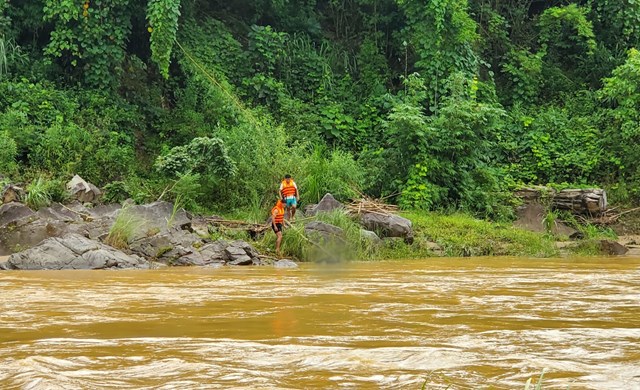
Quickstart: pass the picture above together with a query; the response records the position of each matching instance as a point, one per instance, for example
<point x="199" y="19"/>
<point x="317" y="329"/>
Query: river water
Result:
<point x="473" y="323"/>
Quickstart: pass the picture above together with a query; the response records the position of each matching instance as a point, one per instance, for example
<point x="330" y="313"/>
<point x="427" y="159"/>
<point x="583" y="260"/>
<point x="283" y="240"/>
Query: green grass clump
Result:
<point x="123" y="230"/>
<point x="463" y="235"/>
<point x="38" y="194"/>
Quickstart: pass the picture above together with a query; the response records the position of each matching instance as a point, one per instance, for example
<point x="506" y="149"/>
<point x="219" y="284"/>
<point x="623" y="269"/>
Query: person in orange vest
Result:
<point x="277" y="222"/>
<point x="290" y="195"/>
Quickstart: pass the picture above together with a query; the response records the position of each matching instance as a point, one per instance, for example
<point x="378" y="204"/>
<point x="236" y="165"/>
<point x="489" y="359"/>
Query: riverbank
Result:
<point x="139" y="236"/>
<point x="445" y="235"/>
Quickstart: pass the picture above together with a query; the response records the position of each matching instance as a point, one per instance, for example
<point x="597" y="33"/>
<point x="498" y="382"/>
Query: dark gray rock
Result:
<point x="285" y="263"/>
<point x="12" y="212"/>
<point x="327" y="204"/>
<point x="324" y="231"/>
<point x="21" y="228"/>
<point x="612" y="248"/>
<point x="156" y="217"/>
<point x="370" y="236"/>
<point x="388" y="225"/>
<point x="72" y="252"/>
<point x="241" y="253"/>
<point x="308" y="209"/>
<point x="60" y="213"/>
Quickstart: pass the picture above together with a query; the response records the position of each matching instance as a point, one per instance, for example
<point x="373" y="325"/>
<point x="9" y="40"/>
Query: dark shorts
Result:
<point x="278" y="227"/>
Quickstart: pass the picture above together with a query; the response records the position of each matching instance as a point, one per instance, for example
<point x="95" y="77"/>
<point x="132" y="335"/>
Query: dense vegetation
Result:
<point x="440" y="104"/>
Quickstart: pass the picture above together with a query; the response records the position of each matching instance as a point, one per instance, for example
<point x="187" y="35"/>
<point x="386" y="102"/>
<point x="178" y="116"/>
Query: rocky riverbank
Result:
<point x="74" y="236"/>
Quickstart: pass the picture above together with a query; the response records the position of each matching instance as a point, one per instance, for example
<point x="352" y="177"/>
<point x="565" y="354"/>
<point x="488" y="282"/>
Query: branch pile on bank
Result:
<point x="369" y="205"/>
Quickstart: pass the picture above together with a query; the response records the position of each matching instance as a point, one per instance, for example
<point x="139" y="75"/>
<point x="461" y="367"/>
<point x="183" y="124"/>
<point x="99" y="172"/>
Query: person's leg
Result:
<point x="278" y="241"/>
<point x="293" y="212"/>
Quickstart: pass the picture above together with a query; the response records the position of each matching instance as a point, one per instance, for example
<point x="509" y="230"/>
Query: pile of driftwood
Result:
<point x="254" y="229"/>
<point x="368" y="205"/>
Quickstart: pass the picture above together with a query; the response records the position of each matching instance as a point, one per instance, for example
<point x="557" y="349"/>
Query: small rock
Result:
<point x="612" y="248"/>
<point x="285" y="263"/>
<point x="370" y="236"/>
<point x="83" y="190"/>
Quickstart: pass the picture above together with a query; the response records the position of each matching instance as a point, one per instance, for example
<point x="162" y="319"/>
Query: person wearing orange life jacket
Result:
<point x="290" y="195"/>
<point x="277" y="222"/>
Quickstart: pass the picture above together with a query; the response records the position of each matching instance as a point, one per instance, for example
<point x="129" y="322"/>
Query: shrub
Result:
<point x="8" y="152"/>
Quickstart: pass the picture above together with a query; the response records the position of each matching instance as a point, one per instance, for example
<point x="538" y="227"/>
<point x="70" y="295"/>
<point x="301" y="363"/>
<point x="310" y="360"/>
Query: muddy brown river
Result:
<point x="473" y="323"/>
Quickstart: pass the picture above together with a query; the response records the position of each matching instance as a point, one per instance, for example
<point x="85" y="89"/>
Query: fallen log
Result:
<point x="592" y="201"/>
<point x="587" y="201"/>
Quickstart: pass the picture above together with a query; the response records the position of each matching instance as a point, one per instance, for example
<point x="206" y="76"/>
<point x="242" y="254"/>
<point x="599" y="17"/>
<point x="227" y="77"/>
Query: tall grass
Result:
<point x="123" y="230"/>
<point x="352" y="245"/>
<point x="38" y="195"/>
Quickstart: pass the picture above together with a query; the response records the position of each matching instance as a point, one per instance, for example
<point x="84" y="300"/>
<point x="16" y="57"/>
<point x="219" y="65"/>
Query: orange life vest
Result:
<point x="288" y="189"/>
<point x="279" y="218"/>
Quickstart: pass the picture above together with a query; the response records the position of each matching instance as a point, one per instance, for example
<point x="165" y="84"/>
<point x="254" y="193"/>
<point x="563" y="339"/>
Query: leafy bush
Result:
<point x="8" y="152"/>
<point x="336" y="173"/>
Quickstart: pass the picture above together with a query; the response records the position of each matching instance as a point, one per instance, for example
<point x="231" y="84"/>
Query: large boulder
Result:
<point x="327" y="204"/>
<point x="72" y="252"/>
<point x="12" y="212"/>
<point x="241" y="253"/>
<point x="156" y="217"/>
<point x="320" y="231"/>
<point x="388" y="225"/>
<point x="82" y="190"/>
<point x="175" y="246"/>
<point x="19" y="228"/>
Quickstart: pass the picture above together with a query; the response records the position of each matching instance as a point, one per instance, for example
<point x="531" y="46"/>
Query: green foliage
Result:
<point x="336" y="173"/>
<point x="266" y="47"/>
<point x="162" y="16"/>
<point x="442" y="34"/>
<point x="524" y="71"/>
<point x="616" y="22"/>
<point x="8" y="151"/>
<point x="567" y="32"/>
<point x="622" y="120"/>
<point x="201" y="155"/>
<point x="89" y="38"/>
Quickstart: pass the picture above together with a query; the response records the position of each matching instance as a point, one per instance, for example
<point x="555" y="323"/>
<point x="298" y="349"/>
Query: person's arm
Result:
<point x="297" y="193"/>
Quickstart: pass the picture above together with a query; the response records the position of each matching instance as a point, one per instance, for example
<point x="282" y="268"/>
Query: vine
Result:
<point x="89" y="37"/>
<point x="162" y="16"/>
<point x="442" y="33"/>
